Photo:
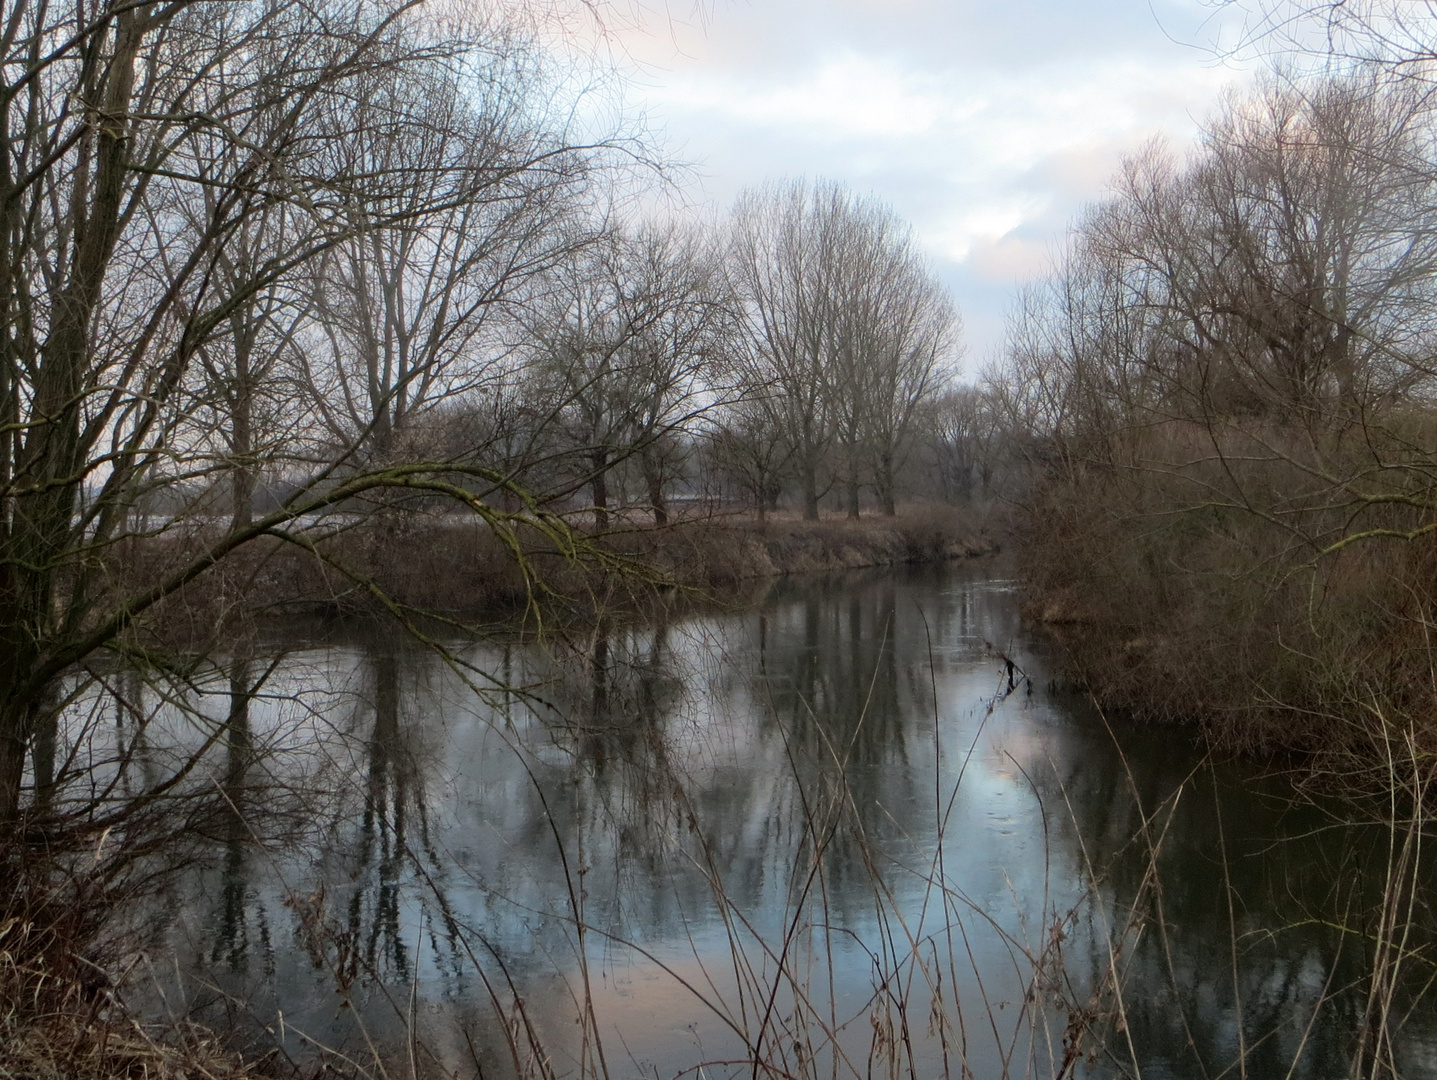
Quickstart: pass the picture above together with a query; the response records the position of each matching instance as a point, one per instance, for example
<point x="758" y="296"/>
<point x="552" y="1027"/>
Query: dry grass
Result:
<point x="78" y="1046"/>
<point x="59" y="1016"/>
<point x="715" y="550"/>
<point x="458" y="568"/>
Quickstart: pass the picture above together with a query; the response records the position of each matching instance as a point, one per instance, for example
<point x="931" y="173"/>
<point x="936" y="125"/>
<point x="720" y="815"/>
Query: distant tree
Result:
<point x="907" y="340"/>
<point x="850" y="333"/>
<point x="749" y="452"/>
<point x="243" y="370"/>
<point x="627" y="339"/>
<point x="781" y="264"/>
<point x="964" y="428"/>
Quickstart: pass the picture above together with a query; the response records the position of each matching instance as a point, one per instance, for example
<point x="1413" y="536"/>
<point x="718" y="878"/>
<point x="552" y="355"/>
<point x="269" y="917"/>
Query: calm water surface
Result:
<point x="835" y="827"/>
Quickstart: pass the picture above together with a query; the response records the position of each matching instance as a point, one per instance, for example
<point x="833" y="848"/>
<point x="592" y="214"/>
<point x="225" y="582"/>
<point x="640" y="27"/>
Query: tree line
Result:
<point x="794" y="352"/>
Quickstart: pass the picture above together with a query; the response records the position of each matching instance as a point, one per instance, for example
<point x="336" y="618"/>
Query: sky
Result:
<point x="987" y="125"/>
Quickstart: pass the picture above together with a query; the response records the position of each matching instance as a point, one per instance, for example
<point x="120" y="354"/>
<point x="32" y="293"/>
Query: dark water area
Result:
<point x="837" y="834"/>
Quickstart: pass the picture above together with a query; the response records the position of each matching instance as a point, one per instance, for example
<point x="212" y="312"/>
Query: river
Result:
<point x="855" y="829"/>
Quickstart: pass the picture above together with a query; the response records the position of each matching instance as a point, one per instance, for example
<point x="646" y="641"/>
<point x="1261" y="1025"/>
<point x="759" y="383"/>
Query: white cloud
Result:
<point x="1007" y="258"/>
<point x="989" y="150"/>
<point x="846" y="97"/>
<point x="995" y="218"/>
<point x="969" y="155"/>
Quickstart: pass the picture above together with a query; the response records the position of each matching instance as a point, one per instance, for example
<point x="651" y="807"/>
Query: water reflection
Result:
<point x="1261" y="942"/>
<point x="232" y="943"/>
<point x="838" y="833"/>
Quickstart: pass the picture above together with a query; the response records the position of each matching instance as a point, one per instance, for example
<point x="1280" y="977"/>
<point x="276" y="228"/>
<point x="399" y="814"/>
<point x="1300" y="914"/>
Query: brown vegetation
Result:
<point x="1226" y="399"/>
<point x="461" y="569"/>
<point x="704" y="554"/>
<point x="61" y="1018"/>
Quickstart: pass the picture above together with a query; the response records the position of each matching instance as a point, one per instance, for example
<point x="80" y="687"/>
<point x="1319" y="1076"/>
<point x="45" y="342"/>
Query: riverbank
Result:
<point x="63" y="1018"/>
<point x="461" y="569"/>
<point x="1323" y="667"/>
<point x="721" y="551"/>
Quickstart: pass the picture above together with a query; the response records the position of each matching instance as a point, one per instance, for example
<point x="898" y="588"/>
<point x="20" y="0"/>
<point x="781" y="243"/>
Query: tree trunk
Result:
<point x="242" y="433"/>
<point x="853" y="491"/>
<point x="242" y="497"/>
<point x="600" y="485"/>
<point x="810" y="492"/>
<point x="654" y="477"/>
<point x="237" y="732"/>
<point x="14" y="738"/>
<point x="45" y="729"/>
<point x="37" y="546"/>
<point x="885" y="483"/>
<point x="599" y="687"/>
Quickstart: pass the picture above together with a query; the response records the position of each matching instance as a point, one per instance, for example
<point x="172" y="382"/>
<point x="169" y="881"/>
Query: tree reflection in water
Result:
<point x="819" y="836"/>
<point x="232" y="937"/>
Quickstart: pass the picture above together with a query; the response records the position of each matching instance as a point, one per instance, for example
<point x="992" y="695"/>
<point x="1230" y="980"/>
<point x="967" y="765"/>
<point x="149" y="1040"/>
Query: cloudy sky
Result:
<point x="987" y="125"/>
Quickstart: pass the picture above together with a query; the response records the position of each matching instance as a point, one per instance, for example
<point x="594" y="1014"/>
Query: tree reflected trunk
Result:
<point x="391" y="786"/>
<point x="232" y="941"/>
<point x="599" y="675"/>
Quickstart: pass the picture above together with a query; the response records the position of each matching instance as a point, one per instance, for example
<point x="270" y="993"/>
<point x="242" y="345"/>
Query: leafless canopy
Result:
<point x="848" y="331"/>
<point x="241" y="239"/>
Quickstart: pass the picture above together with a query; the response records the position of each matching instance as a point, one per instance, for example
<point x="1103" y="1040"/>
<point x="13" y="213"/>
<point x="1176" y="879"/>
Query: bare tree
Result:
<point x="964" y="426"/>
<point x="908" y="353"/>
<point x="781" y="269"/>
<point x="171" y="171"/>
<point x="477" y="197"/>
<point x="628" y="344"/>
<point x="241" y="369"/>
<point x="748" y="450"/>
<point x="850" y="332"/>
<point x="1227" y="396"/>
<point x="101" y="338"/>
<point x="682" y="361"/>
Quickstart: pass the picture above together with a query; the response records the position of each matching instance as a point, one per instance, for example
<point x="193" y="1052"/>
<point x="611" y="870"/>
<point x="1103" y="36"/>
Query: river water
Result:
<point x="835" y="833"/>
